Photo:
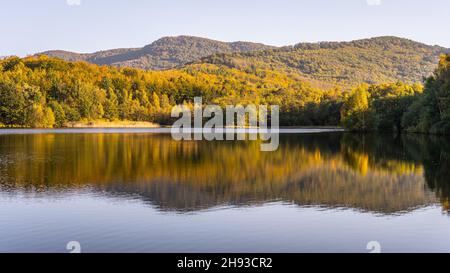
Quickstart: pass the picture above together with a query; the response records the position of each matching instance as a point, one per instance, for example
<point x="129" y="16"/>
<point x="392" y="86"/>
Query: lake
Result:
<point x="140" y="191"/>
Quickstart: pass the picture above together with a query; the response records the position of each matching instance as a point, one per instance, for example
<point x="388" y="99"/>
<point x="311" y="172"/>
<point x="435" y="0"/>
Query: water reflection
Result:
<point x="377" y="173"/>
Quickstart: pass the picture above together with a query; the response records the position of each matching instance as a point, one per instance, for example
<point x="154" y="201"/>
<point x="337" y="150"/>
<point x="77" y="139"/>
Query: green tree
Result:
<point x="39" y="116"/>
<point x="111" y="107"/>
<point x="430" y="113"/>
<point x="356" y="113"/>
<point x="59" y="114"/>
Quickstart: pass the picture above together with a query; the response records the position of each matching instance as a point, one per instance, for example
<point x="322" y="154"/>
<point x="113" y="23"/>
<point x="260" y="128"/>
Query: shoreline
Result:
<point x="150" y="125"/>
<point x="111" y="124"/>
<point x="164" y="130"/>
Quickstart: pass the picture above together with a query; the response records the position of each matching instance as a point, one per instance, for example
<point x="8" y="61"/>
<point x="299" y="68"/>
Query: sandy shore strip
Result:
<point x="112" y="124"/>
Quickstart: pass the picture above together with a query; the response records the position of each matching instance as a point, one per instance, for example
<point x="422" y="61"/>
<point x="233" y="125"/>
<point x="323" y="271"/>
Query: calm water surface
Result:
<point x="138" y="191"/>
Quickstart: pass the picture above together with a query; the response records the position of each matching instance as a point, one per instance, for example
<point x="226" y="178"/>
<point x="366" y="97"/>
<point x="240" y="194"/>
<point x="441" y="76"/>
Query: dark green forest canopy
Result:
<point x="407" y="108"/>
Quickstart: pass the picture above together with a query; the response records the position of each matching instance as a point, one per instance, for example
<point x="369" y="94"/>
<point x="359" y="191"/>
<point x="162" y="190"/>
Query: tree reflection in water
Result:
<point x="376" y="173"/>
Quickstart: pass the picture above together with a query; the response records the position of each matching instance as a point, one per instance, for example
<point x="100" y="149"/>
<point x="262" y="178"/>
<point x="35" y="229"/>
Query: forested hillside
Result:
<point x="48" y="92"/>
<point x="372" y="84"/>
<point x="324" y="64"/>
<point x="376" y="60"/>
<point x="165" y="53"/>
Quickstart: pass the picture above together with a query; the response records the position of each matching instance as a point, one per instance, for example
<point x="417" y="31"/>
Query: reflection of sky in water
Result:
<point x="105" y="224"/>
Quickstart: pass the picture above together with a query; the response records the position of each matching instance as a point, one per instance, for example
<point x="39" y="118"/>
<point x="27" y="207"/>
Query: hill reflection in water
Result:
<point x="375" y="173"/>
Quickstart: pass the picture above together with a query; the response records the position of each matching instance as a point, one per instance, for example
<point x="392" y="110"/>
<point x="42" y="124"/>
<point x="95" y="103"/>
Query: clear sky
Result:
<point x="30" y="26"/>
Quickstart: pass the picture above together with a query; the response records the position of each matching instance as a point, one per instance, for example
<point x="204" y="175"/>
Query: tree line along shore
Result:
<point x="45" y="92"/>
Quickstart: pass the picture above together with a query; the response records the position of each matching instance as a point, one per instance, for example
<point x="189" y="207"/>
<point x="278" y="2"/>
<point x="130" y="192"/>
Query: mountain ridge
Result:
<point x="164" y="53"/>
<point x="370" y="60"/>
<point x="373" y="60"/>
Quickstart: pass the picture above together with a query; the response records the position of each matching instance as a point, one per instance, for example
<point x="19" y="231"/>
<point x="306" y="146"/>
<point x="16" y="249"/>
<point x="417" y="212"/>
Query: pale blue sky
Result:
<point x="30" y="26"/>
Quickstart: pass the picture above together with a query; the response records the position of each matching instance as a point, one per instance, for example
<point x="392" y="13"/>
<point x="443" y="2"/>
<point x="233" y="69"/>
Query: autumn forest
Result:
<point x="45" y="91"/>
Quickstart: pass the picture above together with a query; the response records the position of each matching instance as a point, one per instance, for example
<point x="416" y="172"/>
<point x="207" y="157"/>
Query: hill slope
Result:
<point x="324" y="64"/>
<point x="375" y="60"/>
<point x="165" y="53"/>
